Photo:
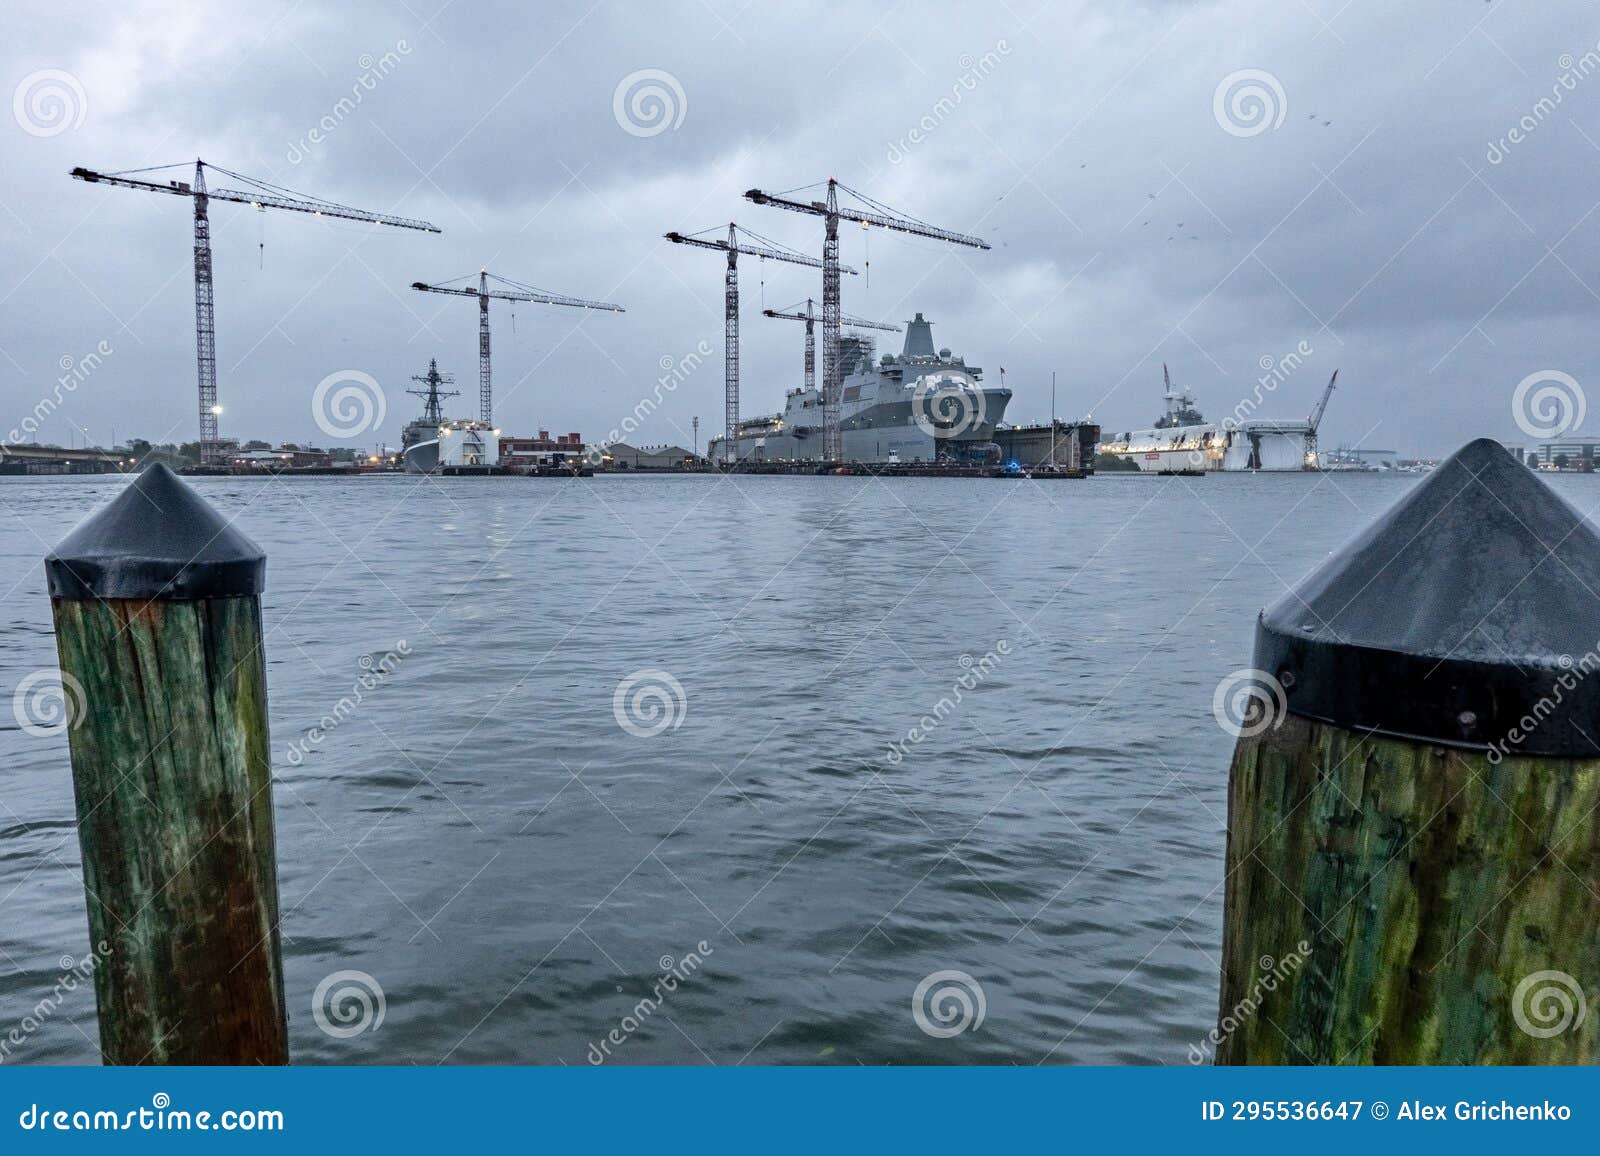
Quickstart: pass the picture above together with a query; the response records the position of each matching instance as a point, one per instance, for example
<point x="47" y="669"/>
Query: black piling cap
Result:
<point x="1467" y="615"/>
<point x="158" y="539"/>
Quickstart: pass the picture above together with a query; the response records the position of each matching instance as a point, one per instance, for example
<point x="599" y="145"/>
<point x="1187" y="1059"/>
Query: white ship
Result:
<point x="1183" y="442"/>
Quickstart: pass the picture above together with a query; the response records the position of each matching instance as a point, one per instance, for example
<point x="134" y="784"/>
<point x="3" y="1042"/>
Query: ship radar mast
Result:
<point x="433" y="397"/>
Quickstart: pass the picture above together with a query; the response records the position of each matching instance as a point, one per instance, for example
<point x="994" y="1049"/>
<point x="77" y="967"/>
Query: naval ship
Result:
<point x="1183" y="442"/>
<point x="925" y="405"/>
<point x="419" y="440"/>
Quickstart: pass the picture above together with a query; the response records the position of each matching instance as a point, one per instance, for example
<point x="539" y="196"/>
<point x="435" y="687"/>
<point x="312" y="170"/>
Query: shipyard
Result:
<point x="1029" y="547"/>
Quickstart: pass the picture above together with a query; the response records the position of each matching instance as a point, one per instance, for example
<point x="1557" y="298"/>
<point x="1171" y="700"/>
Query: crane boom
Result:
<point x="204" y="311"/>
<point x="844" y="319"/>
<point x="832" y="213"/>
<point x="864" y="217"/>
<point x="536" y="298"/>
<point x="751" y="251"/>
<point x="258" y="200"/>
<point x="520" y="293"/>
<point x="1322" y="403"/>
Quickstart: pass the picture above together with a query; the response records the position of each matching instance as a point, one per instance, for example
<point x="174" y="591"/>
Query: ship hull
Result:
<point x="877" y="434"/>
<point x="422" y="457"/>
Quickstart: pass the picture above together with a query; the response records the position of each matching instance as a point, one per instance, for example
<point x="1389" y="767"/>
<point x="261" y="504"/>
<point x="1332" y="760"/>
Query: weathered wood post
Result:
<point x="1413" y="867"/>
<point x="158" y="623"/>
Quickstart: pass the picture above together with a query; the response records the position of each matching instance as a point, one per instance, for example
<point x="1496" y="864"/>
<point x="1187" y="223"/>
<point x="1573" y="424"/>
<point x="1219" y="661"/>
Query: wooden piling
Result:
<point x="157" y="610"/>
<point x="1413" y="866"/>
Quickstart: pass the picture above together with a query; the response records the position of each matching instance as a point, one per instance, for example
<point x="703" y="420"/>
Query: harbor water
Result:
<point x="801" y="744"/>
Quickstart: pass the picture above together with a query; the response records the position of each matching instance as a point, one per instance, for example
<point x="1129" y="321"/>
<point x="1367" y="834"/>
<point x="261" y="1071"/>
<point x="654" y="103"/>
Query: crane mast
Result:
<point x="517" y="292"/>
<point x="261" y="196"/>
<point x="733" y="246"/>
<point x="205" y="322"/>
<point x="832" y="212"/>
<point x="810" y="318"/>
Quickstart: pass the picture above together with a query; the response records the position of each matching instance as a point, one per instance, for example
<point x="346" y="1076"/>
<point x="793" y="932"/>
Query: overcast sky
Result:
<point x="1370" y="204"/>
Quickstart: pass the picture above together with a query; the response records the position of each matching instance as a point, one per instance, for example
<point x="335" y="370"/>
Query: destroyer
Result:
<point x="925" y="405"/>
<point x="1182" y="441"/>
<point x="433" y="442"/>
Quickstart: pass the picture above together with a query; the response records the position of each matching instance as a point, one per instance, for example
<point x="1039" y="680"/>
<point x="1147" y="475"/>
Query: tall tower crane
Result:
<point x="517" y="292"/>
<point x="810" y="318"/>
<point x="262" y="196"/>
<point x="832" y="213"/>
<point x="733" y="246"/>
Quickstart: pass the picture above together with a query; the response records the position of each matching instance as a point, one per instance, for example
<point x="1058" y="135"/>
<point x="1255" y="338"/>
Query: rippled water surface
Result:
<point x="514" y="868"/>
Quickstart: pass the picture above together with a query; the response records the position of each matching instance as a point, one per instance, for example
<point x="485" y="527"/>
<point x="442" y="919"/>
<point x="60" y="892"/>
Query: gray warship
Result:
<point x="924" y="405"/>
<point x="419" y="440"/>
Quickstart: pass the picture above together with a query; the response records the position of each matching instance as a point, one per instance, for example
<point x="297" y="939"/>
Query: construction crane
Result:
<point x="517" y="292"/>
<point x="733" y="246"/>
<point x="832" y="212"/>
<point x="1316" y="419"/>
<point x="261" y="196"/>
<point x="810" y="318"/>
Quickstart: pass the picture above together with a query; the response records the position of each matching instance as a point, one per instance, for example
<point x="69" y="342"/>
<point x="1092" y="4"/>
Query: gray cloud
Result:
<point x="1386" y="238"/>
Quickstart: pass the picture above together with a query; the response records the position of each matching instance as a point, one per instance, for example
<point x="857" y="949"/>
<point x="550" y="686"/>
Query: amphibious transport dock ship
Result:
<point x="924" y="405"/>
<point x="1183" y="442"/>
